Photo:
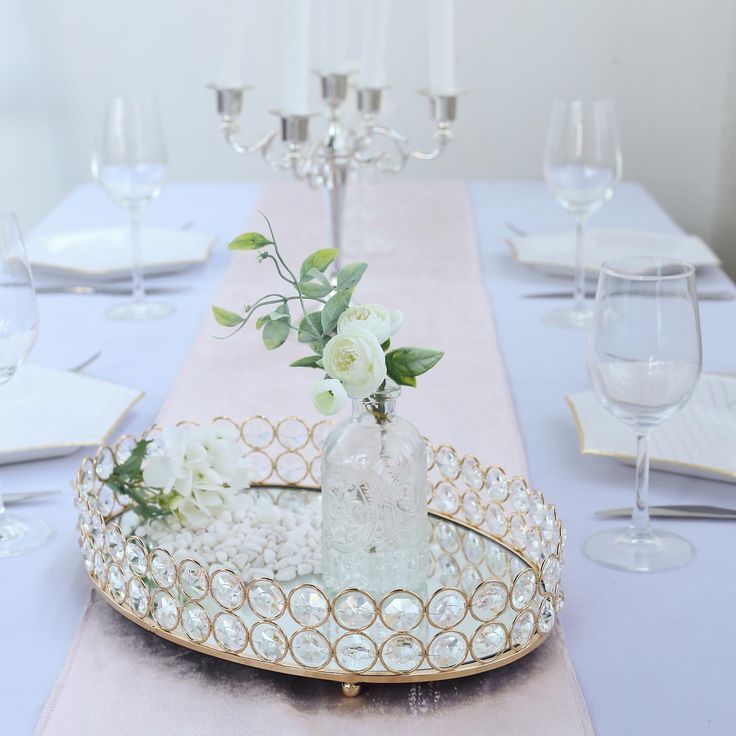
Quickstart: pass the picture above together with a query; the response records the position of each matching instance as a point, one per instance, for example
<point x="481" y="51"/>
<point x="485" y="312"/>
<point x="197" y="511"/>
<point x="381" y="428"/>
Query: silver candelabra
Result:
<point x="328" y="161"/>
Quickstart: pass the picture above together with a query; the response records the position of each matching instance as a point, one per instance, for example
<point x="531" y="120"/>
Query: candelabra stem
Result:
<point x="335" y="186"/>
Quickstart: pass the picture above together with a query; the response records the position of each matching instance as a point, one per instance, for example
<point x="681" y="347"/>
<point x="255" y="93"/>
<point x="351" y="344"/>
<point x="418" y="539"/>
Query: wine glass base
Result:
<point x="623" y="550"/>
<point x="570" y="318"/>
<point x="21" y="535"/>
<point x="140" y="309"/>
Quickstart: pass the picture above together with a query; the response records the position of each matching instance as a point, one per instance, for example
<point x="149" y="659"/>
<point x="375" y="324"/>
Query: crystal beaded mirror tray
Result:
<point x="492" y="595"/>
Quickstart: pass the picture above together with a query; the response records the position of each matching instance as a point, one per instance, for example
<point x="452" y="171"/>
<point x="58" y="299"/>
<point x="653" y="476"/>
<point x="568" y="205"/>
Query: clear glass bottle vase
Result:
<point x="374" y="501"/>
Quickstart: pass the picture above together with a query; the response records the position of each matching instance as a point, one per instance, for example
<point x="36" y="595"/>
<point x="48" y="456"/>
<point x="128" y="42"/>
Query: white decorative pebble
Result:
<point x="259" y="539"/>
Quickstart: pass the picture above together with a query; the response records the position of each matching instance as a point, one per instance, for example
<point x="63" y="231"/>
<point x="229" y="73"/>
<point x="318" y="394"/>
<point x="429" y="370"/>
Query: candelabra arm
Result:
<point x="442" y="136"/>
<point x="384" y="162"/>
<point x="230" y="130"/>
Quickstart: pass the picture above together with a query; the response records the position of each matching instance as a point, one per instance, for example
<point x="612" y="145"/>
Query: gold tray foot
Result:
<point x="350" y="689"/>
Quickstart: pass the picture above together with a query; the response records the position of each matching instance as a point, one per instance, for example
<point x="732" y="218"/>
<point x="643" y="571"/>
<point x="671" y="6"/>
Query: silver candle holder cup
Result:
<point x="294" y="129"/>
<point x="369" y="100"/>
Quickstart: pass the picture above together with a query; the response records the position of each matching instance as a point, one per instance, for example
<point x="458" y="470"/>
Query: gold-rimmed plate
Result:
<point x="554" y="253"/>
<point x="104" y="254"/>
<point x="50" y="413"/>
<point x="699" y="441"/>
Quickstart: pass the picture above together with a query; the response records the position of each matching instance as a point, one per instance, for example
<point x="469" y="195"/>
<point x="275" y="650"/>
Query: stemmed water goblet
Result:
<point x="582" y="164"/>
<point x="644" y="361"/>
<point x="129" y="162"/>
<point x="18" y="332"/>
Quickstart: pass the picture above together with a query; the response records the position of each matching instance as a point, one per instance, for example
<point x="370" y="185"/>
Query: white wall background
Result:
<point x="670" y="65"/>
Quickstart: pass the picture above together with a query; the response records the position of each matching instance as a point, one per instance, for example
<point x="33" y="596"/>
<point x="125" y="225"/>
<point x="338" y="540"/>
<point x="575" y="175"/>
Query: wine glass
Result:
<point x="582" y="164"/>
<point x="129" y="162"/>
<point x="644" y="360"/>
<point x="18" y="331"/>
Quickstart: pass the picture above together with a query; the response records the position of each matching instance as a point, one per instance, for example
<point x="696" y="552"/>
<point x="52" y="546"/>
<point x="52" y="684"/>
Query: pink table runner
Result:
<point x="119" y="679"/>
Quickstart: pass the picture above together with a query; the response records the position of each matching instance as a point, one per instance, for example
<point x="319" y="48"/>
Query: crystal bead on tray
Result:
<point x="492" y="593"/>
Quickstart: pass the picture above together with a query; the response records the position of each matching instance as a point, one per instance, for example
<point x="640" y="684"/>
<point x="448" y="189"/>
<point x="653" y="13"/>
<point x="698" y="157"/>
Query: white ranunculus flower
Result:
<point x="357" y="360"/>
<point x="379" y="321"/>
<point x="203" y="466"/>
<point x="329" y="396"/>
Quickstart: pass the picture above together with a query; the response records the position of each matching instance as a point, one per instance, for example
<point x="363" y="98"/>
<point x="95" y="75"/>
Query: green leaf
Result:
<point x="386" y="345"/>
<point x="320" y="260"/>
<point x="275" y="332"/>
<point x="225" y="317"/>
<point x="349" y="275"/>
<point x="404" y="380"/>
<point x="308" y="361"/>
<point x="315" y="284"/>
<point x="310" y="328"/>
<point x="313" y="290"/>
<point x="132" y="466"/>
<point x="281" y="312"/>
<point x="276" y="327"/>
<point x="404" y="364"/>
<point x="317" y="275"/>
<point x="335" y="306"/>
<point x="249" y="241"/>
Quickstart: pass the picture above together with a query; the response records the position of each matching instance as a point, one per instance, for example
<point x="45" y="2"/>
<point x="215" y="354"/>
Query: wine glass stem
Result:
<point x="136" y="254"/>
<point x="640" y="518"/>
<point x="579" y="290"/>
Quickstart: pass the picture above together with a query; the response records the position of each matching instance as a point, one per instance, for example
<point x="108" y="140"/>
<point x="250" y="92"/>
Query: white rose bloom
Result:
<point x="378" y="320"/>
<point x="329" y="396"/>
<point x="204" y="466"/>
<point x="397" y="319"/>
<point x="357" y="360"/>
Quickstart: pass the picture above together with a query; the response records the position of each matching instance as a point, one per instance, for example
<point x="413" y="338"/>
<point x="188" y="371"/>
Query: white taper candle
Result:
<point x="442" y="47"/>
<point x="334" y="40"/>
<point x="229" y="18"/>
<point x="295" y="58"/>
<point x="375" y="32"/>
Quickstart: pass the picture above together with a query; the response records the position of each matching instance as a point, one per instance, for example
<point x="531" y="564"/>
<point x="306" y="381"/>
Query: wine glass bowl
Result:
<point x="129" y="162"/>
<point x="18" y="332"/>
<point x="582" y="165"/>
<point x="135" y="185"/>
<point x="644" y="362"/>
<point x="18" y="309"/>
<point x="580" y="189"/>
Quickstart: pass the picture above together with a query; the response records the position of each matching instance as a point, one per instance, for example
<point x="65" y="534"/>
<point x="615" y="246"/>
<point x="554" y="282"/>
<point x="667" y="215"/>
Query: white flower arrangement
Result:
<point x="196" y="473"/>
<point x="349" y="342"/>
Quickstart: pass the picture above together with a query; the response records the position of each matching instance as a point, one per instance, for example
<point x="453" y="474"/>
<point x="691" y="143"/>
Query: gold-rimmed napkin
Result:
<point x="120" y="679"/>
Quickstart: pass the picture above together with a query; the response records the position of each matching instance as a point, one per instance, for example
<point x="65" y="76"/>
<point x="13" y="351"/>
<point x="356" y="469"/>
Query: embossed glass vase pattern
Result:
<point x="374" y="488"/>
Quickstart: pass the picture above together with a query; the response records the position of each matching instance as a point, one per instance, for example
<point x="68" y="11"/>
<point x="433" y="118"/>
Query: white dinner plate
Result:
<point x="50" y="413"/>
<point x="554" y="253"/>
<point x="700" y="440"/>
<point x="105" y="254"/>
